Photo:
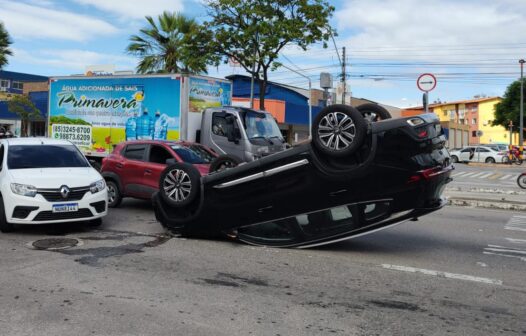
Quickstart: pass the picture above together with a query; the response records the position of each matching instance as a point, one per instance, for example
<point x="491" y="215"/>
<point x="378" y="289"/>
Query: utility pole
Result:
<point x="521" y="115"/>
<point x="344" y="76"/>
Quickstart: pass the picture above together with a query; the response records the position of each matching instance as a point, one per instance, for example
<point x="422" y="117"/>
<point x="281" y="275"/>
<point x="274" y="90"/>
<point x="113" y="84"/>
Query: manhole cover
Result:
<point x="55" y="243"/>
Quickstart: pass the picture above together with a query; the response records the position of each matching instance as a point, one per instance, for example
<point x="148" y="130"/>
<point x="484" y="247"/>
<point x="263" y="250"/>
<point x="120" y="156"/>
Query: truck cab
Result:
<point x="243" y="132"/>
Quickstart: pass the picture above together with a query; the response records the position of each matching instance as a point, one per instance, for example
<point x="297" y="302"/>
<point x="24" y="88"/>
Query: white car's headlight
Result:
<point x="24" y="189"/>
<point x="95" y="187"/>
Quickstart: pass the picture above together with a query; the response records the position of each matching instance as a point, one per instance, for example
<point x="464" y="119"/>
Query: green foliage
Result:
<point x="5" y="41"/>
<point x="509" y="108"/>
<point x="173" y="44"/>
<point x="67" y="121"/>
<point x="25" y="109"/>
<point x="256" y="31"/>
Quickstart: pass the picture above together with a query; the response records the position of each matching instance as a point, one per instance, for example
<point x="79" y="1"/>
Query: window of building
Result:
<point x="474" y="134"/>
<point x="474" y="121"/>
<point x="444" y="113"/>
<point x="4" y="83"/>
<point x="18" y="85"/>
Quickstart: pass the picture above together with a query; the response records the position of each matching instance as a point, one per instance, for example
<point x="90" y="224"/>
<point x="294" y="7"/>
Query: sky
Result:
<point x="472" y="46"/>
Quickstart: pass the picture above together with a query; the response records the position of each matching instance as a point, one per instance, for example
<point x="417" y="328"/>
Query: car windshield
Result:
<point x="193" y="154"/>
<point x="260" y="125"/>
<point x="45" y="156"/>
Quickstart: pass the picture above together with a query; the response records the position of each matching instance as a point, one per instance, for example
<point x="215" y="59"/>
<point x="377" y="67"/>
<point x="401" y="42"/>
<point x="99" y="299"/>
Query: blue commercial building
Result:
<point x="12" y="83"/>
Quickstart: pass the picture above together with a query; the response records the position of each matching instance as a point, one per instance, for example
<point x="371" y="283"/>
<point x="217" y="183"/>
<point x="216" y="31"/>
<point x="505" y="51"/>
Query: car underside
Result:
<point x="355" y="177"/>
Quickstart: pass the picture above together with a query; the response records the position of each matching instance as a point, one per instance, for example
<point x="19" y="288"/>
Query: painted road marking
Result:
<point x="485" y="175"/>
<point x="459" y="174"/>
<point x="468" y="174"/>
<point x="442" y="274"/>
<point x="516" y="241"/>
<point x="505" y="177"/>
<point x="505" y="255"/>
<point x="494" y="176"/>
<point x="516" y="223"/>
<point x="477" y="174"/>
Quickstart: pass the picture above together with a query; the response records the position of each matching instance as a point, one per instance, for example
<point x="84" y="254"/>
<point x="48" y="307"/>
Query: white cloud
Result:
<point x="433" y="29"/>
<point x="25" y="21"/>
<point x="135" y="9"/>
<point x="74" y="60"/>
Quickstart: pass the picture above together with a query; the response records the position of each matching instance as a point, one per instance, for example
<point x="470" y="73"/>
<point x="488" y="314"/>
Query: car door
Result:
<point x="481" y="154"/>
<point x="220" y="129"/>
<point x="467" y="154"/>
<point x="154" y="166"/>
<point x="131" y="169"/>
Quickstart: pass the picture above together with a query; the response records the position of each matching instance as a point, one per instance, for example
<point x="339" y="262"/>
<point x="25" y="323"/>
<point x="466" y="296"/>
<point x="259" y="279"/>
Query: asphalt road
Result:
<point x="490" y="176"/>
<point x="459" y="271"/>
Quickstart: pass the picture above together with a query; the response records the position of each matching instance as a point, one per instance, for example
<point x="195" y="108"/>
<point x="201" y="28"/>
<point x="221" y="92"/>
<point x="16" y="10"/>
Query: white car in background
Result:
<point x="48" y="181"/>
<point x="478" y="154"/>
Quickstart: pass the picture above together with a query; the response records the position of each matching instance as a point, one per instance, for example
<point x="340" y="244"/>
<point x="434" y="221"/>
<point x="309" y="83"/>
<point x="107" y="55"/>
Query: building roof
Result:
<point x="468" y="101"/>
<point x="22" y="77"/>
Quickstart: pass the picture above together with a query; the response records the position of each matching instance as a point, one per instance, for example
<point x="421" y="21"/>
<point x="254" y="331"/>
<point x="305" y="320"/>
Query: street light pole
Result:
<point x="310" y="96"/>
<point x="521" y="114"/>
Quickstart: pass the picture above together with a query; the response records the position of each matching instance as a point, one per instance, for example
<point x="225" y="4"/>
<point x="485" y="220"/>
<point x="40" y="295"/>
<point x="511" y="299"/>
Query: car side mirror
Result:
<point x="231" y="136"/>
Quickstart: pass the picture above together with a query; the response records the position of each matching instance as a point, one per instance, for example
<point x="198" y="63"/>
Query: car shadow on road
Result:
<point x="387" y="242"/>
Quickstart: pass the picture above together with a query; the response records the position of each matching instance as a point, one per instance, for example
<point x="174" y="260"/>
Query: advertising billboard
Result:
<point x="206" y="93"/>
<point x="97" y="113"/>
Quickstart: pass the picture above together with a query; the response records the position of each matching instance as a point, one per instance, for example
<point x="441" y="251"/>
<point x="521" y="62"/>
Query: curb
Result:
<point x="491" y="165"/>
<point x="487" y="204"/>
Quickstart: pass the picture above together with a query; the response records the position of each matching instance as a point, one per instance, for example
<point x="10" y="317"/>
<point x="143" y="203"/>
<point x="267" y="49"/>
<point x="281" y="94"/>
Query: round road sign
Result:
<point x="426" y="82"/>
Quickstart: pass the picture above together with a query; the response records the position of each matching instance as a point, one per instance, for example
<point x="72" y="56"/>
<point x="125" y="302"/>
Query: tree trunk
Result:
<point x="262" y="90"/>
<point x="23" y="128"/>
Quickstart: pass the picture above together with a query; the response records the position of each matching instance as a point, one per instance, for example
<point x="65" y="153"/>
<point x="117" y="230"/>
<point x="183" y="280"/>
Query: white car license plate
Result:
<point x="69" y="207"/>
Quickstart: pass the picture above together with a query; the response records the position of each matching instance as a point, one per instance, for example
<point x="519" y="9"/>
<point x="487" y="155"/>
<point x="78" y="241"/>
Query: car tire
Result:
<point x="114" y="194"/>
<point x="490" y="160"/>
<point x="454" y="158"/>
<point x="5" y="227"/>
<point x="223" y="162"/>
<point x="95" y="223"/>
<point x="337" y="124"/>
<point x="521" y="180"/>
<point x="373" y="112"/>
<point x="179" y="184"/>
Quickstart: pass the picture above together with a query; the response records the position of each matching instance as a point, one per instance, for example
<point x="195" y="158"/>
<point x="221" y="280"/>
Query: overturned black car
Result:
<point x="358" y="174"/>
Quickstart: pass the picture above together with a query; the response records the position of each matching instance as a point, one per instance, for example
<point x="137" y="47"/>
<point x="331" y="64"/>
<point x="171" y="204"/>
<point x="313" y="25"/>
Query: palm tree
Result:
<point x="5" y="41"/>
<point x="174" y="44"/>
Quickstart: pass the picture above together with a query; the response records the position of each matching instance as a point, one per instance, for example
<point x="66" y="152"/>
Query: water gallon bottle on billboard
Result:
<point x="131" y="128"/>
<point x="161" y="126"/>
<point x="144" y="126"/>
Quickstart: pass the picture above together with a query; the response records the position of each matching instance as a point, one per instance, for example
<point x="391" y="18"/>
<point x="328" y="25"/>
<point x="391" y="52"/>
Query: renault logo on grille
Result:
<point x="64" y="191"/>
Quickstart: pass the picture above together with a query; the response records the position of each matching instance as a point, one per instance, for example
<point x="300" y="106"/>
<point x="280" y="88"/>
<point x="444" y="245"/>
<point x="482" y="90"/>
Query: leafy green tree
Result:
<point x="509" y="108"/>
<point x="25" y="109"/>
<point x="5" y="41"/>
<point x="173" y="44"/>
<point x="256" y="31"/>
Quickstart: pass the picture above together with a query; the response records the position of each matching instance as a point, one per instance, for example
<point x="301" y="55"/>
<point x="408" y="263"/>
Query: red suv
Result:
<point x="134" y="167"/>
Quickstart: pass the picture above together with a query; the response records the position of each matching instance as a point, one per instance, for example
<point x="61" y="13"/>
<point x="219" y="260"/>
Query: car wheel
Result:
<point x="373" y="112"/>
<point x="179" y="184"/>
<point x="490" y="160"/>
<point x="521" y="181"/>
<point x="5" y="227"/>
<point x="114" y="194"/>
<point x="95" y="222"/>
<point x="338" y="130"/>
<point x="224" y="162"/>
<point x="454" y="158"/>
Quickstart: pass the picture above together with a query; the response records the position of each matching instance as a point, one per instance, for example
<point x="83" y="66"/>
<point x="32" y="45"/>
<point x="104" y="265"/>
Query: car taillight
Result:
<point x="422" y="133"/>
<point x="428" y="174"/>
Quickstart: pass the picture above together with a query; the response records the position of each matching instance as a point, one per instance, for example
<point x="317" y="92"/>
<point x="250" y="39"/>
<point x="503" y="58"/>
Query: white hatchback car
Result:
<point x="48" y="181"/>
